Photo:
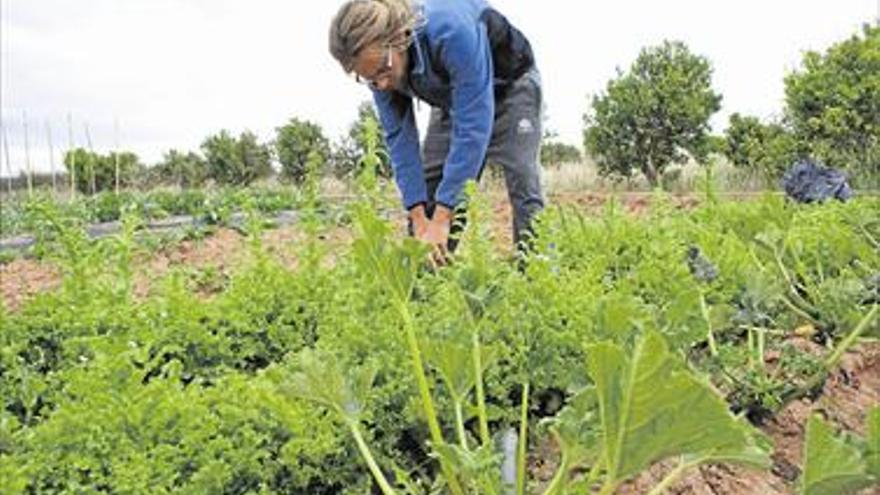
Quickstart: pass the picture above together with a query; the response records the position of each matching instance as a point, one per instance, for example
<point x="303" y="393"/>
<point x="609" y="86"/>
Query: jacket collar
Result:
<point x="417" y="55"/>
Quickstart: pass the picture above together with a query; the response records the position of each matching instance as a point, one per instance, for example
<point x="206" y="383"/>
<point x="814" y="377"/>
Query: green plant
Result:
<point x="362" y="143"/>
<point x="651" y="409"/>
<point x="95" y="172"/>
<point x="296" y="143"/>
<point x="186" y="170"/>
<point x="655" y="114"/>
<point x="766" y="150"/>
<point x="831" y="102"/>
<point x="238" y="161"/>
<point x="840" y="464"/>
<point x="554" y="153"/>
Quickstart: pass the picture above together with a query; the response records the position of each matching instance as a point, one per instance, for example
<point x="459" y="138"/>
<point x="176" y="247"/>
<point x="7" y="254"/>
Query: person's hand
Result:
<point x="437" y="235"/>
<point x="419" y="221"/>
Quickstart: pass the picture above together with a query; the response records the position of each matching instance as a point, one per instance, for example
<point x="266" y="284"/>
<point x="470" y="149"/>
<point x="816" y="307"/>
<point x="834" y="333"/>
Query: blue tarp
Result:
<point x="808" y="181"/>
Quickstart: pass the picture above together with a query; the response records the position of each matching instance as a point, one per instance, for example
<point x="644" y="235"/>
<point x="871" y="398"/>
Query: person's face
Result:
<point x="381" y="67"/>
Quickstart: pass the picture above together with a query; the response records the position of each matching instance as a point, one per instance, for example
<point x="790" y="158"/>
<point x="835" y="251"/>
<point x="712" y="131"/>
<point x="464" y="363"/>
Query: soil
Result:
<point x="22" y="278"/>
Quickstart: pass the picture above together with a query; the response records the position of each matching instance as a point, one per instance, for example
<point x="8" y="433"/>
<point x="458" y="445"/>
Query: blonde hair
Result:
<point x="362" y="23"/>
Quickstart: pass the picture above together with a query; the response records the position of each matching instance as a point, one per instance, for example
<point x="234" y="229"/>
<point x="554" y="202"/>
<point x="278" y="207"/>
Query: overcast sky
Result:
<point x="167" y="73"/>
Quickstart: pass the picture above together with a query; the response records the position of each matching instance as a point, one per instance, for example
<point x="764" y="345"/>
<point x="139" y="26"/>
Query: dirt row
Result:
<point x="23" y="277"/>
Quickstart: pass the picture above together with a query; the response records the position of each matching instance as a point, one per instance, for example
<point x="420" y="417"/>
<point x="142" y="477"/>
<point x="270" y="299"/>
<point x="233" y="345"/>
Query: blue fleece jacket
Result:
<point x="450" y="67"/>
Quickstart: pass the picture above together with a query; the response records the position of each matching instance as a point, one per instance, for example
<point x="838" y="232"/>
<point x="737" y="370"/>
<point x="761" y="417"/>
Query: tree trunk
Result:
<point x="651" y="174"/>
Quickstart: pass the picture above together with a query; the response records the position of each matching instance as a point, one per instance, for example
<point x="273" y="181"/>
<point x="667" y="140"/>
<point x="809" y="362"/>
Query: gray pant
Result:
<point x="515" y="145"/>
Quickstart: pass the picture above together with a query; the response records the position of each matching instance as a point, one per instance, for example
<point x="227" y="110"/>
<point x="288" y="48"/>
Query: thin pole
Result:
<point x="116" y="153"/>
<point x="92" y="155"/>
<point x="72" y="153"/>
<point x="27" y="156"/>
<point x="8" y="161"/>
<point x="51" y="155"/>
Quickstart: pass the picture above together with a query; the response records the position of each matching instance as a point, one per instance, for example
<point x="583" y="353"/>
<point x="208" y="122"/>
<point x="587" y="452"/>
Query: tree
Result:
<point x="655" y="114"/>
<point x="833" y="103"/>
<point x="555" y="153"/>
<point x="765" y="149"/>
<point x="184" y="169"/>
<point x="95" y="172"/>
<point x="236" y="161"/>
<point x="295" y="142"/>
<point x="349" y="153"/>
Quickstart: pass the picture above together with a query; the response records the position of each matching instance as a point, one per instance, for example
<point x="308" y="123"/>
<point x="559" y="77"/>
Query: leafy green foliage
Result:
<point x="213" y="206"/>
<point x="350" y="152"/>
<point x="95" y="172"/>
<point x="103" y="389"/>
<point x="839" y="465"/>
<point x="555" y="153"/>
<point x="186" y="170"/>
<point x="655" y="114"/>
<point x="832" y="103"/>
<point x="766" y="150"/>
<point x="872" y="452"/>
<point x="652" y="409"/>
<point x="295" y="142"/>
<point x="236" y="161"/>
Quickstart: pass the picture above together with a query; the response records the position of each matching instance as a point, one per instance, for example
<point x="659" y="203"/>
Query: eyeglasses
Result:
<point x="382" y="74"/>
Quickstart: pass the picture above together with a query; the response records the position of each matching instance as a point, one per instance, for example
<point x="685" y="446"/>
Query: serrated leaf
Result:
<point x="319" y="379"/>
<point x="454" y="361"/>
<point x="479" y="468"/>
<point x="576" y="429"/>
<point x="396" y="264"/>
<point x="832" y="465"/>
<point x="652" y="408"/>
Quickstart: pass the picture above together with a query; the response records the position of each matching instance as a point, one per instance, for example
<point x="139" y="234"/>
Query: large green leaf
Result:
<point x="320" y="379"/>
<point x="652" y="408"/>
<point x="479" y="469"/>
<point x="872" y="454"/>
<point x="576" y="429"/>
<point x="833" y="465"/>
<point x="395" y="264"/>
<point x="454" y="361"/>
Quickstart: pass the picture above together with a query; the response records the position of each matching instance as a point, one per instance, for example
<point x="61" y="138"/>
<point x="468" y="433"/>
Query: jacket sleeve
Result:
<point x="467" y="57"/>
<point x="402" y="139"/>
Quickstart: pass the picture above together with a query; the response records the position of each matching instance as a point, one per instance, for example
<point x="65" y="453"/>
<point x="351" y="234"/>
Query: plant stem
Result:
<point x="850" y="339"/>
<point x="869" y="237"/>
<point x="425" y="392"/>
<point x="608" y="487"/>
<point x="796" y="300"/>
<point x="595" y="469"/>
<point x="830" y="363"/>
<point x="368" y="456"/>
<point x="760" y="332"/>
<point x="751" y="344"/>
<point x="459" y="425"/>
<point x="797" y="310"/>
<point x="523" y="441"/>
<point x="558" y="480"/>
<point x="710" y="336"/>
<point x="481" y="397"/>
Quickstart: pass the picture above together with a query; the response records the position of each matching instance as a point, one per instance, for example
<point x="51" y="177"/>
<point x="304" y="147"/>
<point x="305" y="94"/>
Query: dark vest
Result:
<point x="511" y="56"/>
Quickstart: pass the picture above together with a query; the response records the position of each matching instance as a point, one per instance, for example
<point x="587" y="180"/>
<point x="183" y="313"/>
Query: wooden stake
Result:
<point x="51" y="155"/>
<point x="8" y="161"/>
<point x="116" y="152"/>
<point x="72" y="171"/>
<point x="27" y="156"/>
<point x="92" y="152"/>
